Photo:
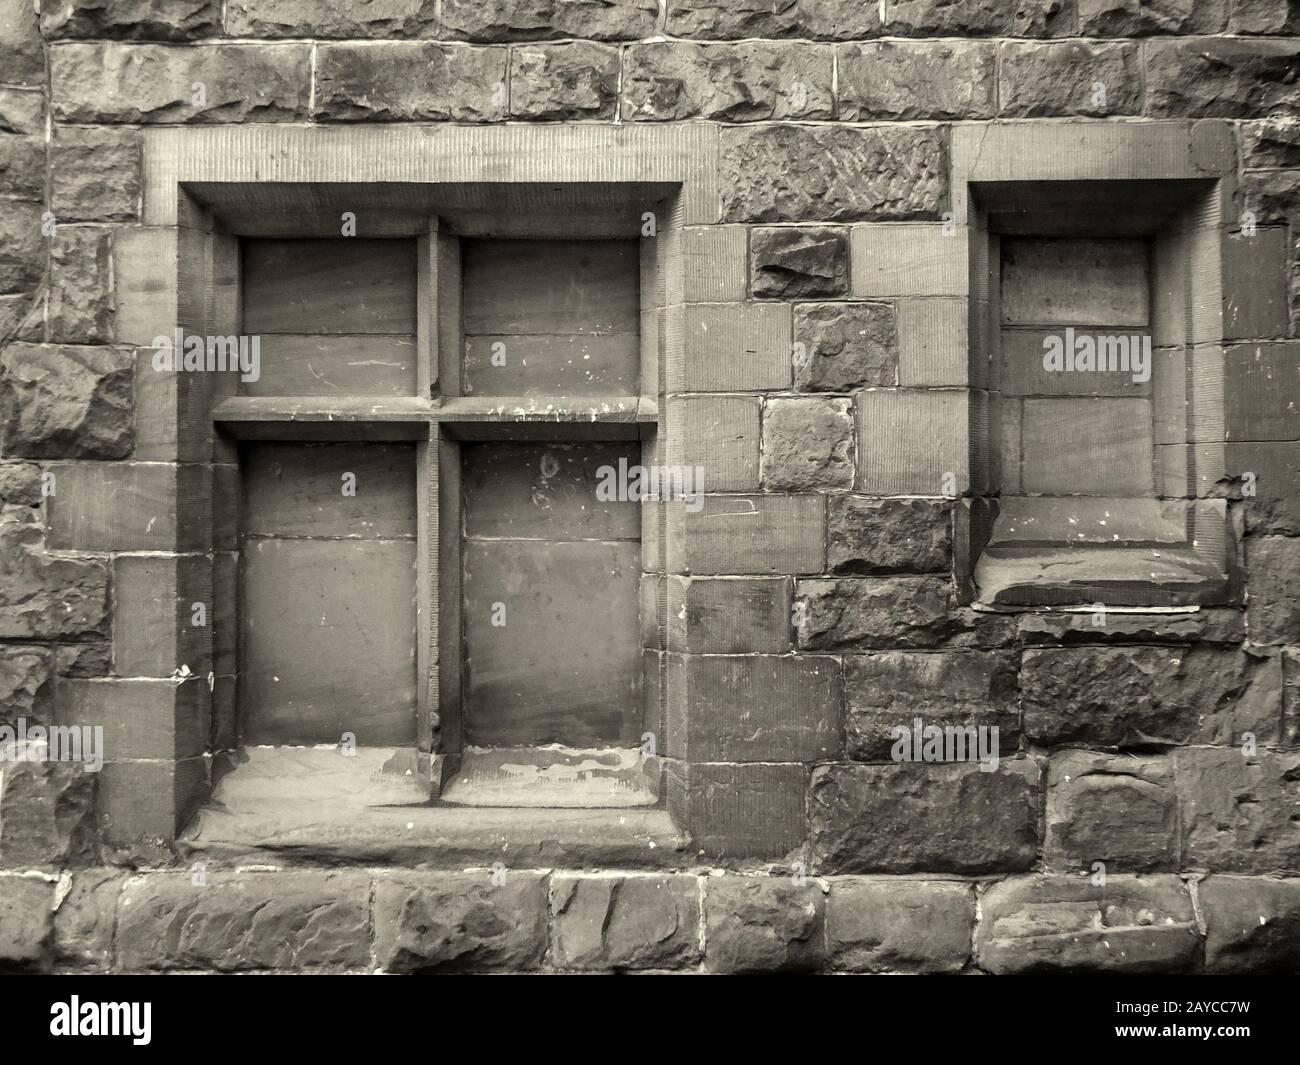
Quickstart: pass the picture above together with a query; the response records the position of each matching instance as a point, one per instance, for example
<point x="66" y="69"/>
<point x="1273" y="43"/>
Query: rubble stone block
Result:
<point x="807" y="444"/>
<point x="1134" y="696"/>
<point x="95" y="174"/>
<point x="1128" y="924"/>
<point x="763" y="925"/>
<point x="47" y="813"/>
<point x="1069" y="78"/>
<point x="158" y="20"/>
<point x="240" y="921"/>
<point x="135" y="83"/>
<point x="803" y="262"/>
<point x="390" y="19"/>
<point x="902" y="80"/>
<point x="527" y="20"/>
<point x="430" y="922"/>
<point x="674" y="80"/>
<point x="785" y="173"/>
<point x="1224" y="77"/>
<point x="25" y="921"/>
<point x="43" y="595"/>
<point x="563" y="81"/>
<point x="1252" y="924"/>
<point x="1114" y="809"/>
<point x="899" y="926"/>
<point x="410" y="81"/>
<point x="845" y="346"/>
<point x="625" y="922"/>
<point x="1273" y="604"/>
<point x="1237" y="811"/>
<point x="64" y="401"/>
<point x="874" y="536"/>
<point x="908" y="817"/>
<point x="960" y="689"/>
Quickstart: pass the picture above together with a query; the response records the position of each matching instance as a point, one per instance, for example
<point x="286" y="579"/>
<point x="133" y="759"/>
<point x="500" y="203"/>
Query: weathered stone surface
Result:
<point x="785" y="263"/>
<point x="410" y="81"/>
<point x="25" y="923"/>
<point x="154" y="83"/>
<point x="1272" y="196"/>
<point x="1130" y="924"/>
<point x="21" y="56"/>
<point x="870" y="536"/>
<point x="845" y="346"/>
<point x="1131" y="696"/>
<point x="47" y="812"/>
<point x="85" y="919"/>
<point x="1252" y="925"/>
<point x="81" y="289"/>
<point x="1271" y="142"/>
<point x="906" y="80"/>
<point x="921" y="817"/>
<point x="64" y="401"/>
<point x="885" y="612"/>
<point x="242" y="921"/>
<point x="1221" y="77"/>
<point x="42" y="595"/>
<point x="758" y="925"/>
<point x="447" y="921"/>
<point x="1139" y="18"/>
<point x="942" y="18"/>
<point x="949" y="688"/>
<point x="331" y="18"/>
<point x="831" y="173"/>
<point x="899" y="926"/>
<point x="559" y="81"/>
<point x="95" y="174"/>
<point x="1109" y="808"/>
<point x="1264" y="16"/>
<point x="1273" y="603"/>
<point x="20" y="482"/>
<point x="623" y="922"/>
<point x="1203" y="626"/>
<point x="22" y="248"/>
<point x="24" y="676"/>
<point x="22" y="111"/>
<point x="23" y="317"/>
<point x="527" y="20"/>
<point x="84" y="659"/>
<point x="720" y="20"/>
<point x="1238" y="812"/>
<point x="807" y="444"/>
<point x="1291" y="696"/>
<point x="22" y="167"/>
<point x="672" y="80"/>
<point x="159" y="20"/>
<point x="1073" y="78"/>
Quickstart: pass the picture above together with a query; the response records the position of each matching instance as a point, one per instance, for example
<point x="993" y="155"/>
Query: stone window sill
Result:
<point x="1121" y="553"/>
<point x="313" y="805"/>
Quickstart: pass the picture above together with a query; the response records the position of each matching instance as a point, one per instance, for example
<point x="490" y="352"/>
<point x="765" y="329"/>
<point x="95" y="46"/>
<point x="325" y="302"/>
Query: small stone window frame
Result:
<point x="205" y="189"/>
<point x="1172" y="182"/>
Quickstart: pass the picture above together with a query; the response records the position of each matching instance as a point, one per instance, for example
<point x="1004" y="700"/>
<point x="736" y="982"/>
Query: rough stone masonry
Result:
<point x="1144" y="815"/>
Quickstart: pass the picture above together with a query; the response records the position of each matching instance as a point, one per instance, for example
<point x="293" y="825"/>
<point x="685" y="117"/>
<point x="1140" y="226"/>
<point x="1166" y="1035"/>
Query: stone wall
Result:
<point x="1123" y="743"/>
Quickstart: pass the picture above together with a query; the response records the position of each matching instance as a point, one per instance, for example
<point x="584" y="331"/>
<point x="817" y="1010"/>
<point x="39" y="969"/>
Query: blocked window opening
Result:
<point x="1076" y="366"/>
<point x="550" y="681"/>
<point x="329" y="620"/>
<point x="1101" y="385"/>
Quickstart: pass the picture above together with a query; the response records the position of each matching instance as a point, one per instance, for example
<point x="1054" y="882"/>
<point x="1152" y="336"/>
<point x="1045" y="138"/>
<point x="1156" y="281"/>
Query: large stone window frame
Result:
<point x="207" y="188"/>
<point x="1084" y="179"/>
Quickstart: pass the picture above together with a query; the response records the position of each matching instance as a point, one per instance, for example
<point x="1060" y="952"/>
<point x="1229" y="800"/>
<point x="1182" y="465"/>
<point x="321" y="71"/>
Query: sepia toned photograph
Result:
<point x="711" y="487"/>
